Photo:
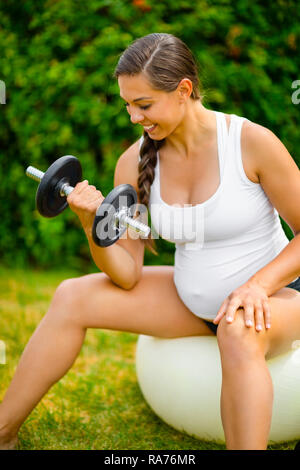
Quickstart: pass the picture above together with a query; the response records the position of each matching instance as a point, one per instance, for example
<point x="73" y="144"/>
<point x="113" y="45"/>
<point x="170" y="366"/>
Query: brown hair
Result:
<point x="165" y="60"/>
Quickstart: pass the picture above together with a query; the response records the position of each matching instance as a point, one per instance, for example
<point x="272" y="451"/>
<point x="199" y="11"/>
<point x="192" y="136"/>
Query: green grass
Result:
<point x="98" y="403"/>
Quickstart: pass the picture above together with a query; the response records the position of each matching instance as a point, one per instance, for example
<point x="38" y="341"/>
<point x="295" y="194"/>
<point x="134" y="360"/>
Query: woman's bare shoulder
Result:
<point x="126" y="170"/>
<point x="252" y="134"/>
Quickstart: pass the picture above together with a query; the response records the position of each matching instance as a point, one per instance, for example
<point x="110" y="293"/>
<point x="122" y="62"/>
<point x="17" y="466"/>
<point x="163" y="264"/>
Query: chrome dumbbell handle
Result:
<point x="121" y="216"/>
<point x="124" y="219"/>
<point x="37" y="175"/>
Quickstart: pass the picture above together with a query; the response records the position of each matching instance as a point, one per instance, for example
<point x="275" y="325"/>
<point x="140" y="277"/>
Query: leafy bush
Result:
<point x="57" y="62"/>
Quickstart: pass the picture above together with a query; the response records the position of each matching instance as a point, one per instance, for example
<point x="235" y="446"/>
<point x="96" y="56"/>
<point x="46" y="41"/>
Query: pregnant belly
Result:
<point x="202" y="294"/>
<point x="205" y="278"/>
<point x="203" y="290"/>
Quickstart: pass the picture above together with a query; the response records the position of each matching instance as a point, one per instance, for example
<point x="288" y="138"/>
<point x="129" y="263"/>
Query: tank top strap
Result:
<point x="223" y="136"/>
<point x="236" y="164"/>
<point x="237" y="122"/>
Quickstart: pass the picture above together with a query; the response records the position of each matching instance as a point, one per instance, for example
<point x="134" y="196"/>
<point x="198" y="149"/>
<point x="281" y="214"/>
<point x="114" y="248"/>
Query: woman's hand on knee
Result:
<point x="253" y="298"/>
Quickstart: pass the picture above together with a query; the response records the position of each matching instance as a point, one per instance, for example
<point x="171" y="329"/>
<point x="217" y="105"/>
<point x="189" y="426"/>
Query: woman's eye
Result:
<point x="147" y="106"/>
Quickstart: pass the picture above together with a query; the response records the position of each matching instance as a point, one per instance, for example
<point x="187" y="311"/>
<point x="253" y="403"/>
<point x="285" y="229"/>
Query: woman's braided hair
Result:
<point x="164" y="60"/>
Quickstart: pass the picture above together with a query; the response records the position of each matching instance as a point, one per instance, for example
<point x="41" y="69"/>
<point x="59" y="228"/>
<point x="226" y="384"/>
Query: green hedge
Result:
<point x="57" y="61"/>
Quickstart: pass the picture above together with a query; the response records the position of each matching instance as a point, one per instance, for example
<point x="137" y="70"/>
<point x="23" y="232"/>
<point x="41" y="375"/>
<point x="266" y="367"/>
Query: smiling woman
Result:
<point x="150" y="67"/>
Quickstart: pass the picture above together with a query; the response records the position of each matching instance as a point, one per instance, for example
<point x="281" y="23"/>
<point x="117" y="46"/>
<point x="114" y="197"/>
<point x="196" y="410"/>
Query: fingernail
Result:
<point x="229" y="319"/>
<point x="249" y="323"/>
<point x="268" y="325"/>
<point x="258" y="327"/>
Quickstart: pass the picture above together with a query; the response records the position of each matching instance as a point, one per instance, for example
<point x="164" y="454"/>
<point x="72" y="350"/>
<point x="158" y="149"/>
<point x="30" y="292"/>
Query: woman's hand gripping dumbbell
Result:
<point x="84" y="201"/>
<point x="114" y="213"/>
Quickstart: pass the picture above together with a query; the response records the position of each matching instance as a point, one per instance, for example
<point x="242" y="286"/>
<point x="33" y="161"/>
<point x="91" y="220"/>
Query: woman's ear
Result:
<point x="185" y="89"/>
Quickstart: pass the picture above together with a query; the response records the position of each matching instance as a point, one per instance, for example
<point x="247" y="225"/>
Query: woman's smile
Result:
<point x="150" y="129"/>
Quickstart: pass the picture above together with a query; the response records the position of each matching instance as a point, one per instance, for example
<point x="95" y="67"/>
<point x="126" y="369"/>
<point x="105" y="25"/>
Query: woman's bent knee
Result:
<point x="68" y="300"/>
<point x="238" y="343"/>
<point x="74" y="297"/>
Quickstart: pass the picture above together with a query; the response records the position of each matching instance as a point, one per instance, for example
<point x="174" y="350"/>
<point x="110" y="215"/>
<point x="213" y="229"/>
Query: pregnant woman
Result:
<point x="215" y="185"/>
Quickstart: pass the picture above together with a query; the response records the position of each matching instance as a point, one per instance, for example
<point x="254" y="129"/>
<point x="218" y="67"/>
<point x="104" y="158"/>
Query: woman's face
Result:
<point x="158" y="112"/>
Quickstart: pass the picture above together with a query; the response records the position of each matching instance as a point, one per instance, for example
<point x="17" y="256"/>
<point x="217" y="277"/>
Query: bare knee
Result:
<point x="239" y="344"/>
<point x="67" y="301"/>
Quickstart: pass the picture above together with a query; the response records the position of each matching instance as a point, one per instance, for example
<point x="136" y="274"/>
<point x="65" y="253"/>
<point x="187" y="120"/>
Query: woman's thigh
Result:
<point x="152" y="307"/>
<point x="285" y="325"/>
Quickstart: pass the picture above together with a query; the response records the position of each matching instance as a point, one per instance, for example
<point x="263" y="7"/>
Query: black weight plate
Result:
<point x="49" y="202"/>
<point x="105" y="232"/>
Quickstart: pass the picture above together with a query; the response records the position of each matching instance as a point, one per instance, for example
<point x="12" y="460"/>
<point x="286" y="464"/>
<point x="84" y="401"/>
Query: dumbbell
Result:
<point x="114" y="214"/>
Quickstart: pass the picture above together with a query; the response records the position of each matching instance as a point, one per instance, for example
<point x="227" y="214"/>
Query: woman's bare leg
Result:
<point x="152" y="307"/>
<point x="247" y="389"/>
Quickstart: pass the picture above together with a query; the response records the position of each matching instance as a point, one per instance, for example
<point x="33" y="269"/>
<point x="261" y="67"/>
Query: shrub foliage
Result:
<point x="57" y="61"/>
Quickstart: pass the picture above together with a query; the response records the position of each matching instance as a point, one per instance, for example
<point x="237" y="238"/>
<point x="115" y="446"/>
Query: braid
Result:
<point x="147" y="164"/>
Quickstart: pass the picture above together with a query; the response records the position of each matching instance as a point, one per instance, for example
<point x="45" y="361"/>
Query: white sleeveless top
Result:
<point x="225" y="240"/>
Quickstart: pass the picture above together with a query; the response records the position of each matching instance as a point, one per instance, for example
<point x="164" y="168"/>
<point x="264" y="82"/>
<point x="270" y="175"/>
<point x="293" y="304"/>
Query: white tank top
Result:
<point x="222" y="242"/>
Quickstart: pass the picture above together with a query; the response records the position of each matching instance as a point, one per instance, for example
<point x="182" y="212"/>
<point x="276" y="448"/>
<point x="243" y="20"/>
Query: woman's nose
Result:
<point x="136" y="117"/>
